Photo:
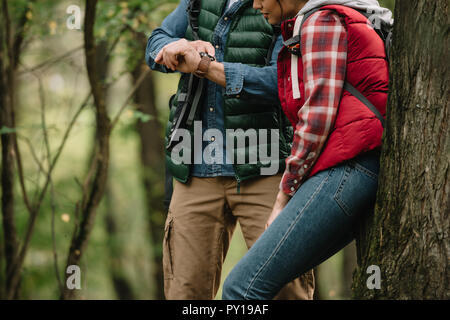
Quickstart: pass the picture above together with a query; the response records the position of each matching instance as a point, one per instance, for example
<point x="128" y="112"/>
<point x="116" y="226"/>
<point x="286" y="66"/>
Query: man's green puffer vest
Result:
<point x="248" y="42"/>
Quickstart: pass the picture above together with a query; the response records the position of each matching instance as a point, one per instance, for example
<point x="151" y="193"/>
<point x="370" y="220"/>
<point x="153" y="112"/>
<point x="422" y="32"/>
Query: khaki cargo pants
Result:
<point x="201" y="220"/>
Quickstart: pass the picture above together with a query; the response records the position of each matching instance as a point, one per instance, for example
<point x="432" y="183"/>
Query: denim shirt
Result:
<point x="257" y="81"/>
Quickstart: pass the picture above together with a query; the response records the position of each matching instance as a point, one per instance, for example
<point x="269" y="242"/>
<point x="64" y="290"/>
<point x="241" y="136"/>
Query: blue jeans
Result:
<point x="317" y="222"/>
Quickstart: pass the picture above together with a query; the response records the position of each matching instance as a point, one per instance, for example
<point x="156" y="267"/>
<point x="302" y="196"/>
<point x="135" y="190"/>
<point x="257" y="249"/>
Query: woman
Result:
<point x="331" y="176"/>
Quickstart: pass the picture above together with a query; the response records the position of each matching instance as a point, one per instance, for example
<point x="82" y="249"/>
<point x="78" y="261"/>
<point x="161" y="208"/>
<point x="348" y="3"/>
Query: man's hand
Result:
<point x="280" y="203"/>
<point x="203" y="46"/>
<point x="183" y="55"/>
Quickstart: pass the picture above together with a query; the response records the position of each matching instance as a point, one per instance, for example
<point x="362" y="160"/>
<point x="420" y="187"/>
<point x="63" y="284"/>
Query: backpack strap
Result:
<point x="193" y="11"/>
<point x="189" y="97"/>
<point x="385" y="33"/>
<point x="358" y="95"/>
<point x="293" y="45"/>
<point x="184" y="98"/>
<point x="383" y="30"/>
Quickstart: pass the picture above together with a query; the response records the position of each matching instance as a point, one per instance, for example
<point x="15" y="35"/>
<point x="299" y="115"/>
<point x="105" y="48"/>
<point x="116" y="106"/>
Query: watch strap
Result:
<point x="203" y="66"/>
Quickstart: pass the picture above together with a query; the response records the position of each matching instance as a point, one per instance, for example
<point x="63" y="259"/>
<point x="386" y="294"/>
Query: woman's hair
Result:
<point x="281" y="8"/>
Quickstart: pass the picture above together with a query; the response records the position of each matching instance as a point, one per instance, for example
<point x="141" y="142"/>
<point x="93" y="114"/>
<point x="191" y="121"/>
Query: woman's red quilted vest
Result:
<point x="356" y="129"/>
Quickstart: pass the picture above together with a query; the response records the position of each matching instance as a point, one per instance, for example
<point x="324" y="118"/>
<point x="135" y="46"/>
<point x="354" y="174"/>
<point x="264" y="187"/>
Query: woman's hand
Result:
<point x="280" y="203"/>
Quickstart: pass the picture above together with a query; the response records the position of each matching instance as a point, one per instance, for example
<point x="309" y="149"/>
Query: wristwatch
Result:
<point x="203" y="66"/>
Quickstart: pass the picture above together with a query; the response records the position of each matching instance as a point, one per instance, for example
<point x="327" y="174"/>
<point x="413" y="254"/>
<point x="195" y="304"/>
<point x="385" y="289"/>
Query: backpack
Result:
<point x="381" y="28"/>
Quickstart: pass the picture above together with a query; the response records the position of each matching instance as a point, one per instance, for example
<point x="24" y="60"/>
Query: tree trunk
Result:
<point x="407" y="237"/>
<point x="96" y="188"/>
<point x="7" y="170"/>
<point x="349" y="264"/>
<point x="7" y="81"/>
<point x="121" y="283"/>
<point x="318" y="294"/>
<point x="152" y="159"/>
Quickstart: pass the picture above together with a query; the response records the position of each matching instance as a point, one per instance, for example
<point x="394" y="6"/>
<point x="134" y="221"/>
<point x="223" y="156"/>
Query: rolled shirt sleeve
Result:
<point x="256" y="81"/>
<point x="172" y="29"/>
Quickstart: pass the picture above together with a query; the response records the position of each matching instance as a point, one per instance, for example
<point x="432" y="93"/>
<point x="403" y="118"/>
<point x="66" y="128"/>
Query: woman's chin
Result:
<point x="273" y="21"/>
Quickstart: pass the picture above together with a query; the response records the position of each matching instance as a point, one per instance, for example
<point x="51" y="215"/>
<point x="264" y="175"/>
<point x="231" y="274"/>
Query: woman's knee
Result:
<point x="233" y="288"/>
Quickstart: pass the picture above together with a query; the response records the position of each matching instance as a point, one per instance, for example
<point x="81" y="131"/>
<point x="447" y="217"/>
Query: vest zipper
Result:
<point x="238" y="186"/>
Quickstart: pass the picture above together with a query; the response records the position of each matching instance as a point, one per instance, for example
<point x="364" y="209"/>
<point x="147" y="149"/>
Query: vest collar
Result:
<point x="287" y="28"/>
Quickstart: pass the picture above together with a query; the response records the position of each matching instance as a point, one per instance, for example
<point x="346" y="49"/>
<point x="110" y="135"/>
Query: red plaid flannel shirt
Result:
<point x="324" y="58"/>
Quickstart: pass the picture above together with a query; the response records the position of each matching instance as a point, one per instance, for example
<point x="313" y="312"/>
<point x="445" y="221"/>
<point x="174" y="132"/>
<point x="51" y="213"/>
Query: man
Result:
<point x="237" y="97"/>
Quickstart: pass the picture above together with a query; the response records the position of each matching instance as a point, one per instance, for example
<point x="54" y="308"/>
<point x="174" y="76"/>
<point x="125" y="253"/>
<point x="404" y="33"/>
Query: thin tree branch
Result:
<point x="33" y="154"/>
<point x="21" y="174"/>
<point x="130" y="95"/>
<point x="50" y="61"/>
<point x="14" y="273"/>
<point x="52" y="190"/>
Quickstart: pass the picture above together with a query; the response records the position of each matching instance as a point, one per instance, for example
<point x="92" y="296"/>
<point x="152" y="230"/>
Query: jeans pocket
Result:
<point x="168" y="248"/>
<point x="368" y="163"/>
<point x="357" y="189"/>
<point x="366" y="171"/>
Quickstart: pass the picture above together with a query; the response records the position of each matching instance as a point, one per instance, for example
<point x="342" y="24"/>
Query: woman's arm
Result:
<point x="324" y="56"/>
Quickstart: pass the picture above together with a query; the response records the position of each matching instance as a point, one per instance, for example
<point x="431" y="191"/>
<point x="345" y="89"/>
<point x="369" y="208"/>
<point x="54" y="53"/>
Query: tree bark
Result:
<point x="7" y="141"/>
<point x="10" y="51"/>
<point x="349" y="264"/>
<point x="408" y="235"/>
<point x="152" y="160"/>
<point x="121" y="283"/>
<point x="318" y="294"/>
<point x="122" y="286"/>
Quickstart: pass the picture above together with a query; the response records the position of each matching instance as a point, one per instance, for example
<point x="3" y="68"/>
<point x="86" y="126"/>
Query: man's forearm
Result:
<point x="261" y="83"/>
<point x="216" y="73"/>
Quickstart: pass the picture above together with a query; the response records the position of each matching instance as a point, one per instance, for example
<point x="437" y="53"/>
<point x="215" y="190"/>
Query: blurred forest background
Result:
<point x="58" y="133"/>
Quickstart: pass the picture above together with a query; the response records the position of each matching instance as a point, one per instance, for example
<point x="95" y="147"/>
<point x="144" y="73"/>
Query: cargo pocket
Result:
<point x="167" y="248"/>
<point x="356" y="192"/>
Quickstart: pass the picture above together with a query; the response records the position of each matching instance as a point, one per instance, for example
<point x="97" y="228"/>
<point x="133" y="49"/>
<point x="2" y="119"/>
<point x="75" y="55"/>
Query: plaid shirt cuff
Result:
<point x="289" y="184"/>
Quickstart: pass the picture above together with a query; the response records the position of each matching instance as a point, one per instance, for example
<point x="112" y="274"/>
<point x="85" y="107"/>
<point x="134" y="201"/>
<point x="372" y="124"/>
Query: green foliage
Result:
<point x="46" y="35"/>
<point x="138" y="115"/>
<point x="129" y="19"/>
<point x="388" y="4"/>
<point x="42" y="17"/>
<point x="135" y="15"/>
<point x="6" y="130"/>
